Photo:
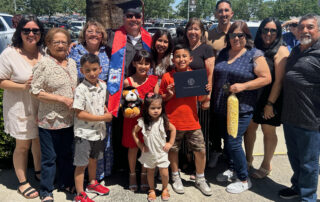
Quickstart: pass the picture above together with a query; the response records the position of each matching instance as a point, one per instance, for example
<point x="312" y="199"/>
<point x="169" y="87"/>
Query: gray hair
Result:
<point x="311" y="16"/>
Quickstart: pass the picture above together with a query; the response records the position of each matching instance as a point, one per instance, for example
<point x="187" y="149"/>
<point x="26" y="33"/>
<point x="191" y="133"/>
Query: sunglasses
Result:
<point x="130" y="16"/>
<point x="266" y="31"/>
<point x="234" y="35"/>
<point x="294" y="25"/>
<point x="221" y="10"/>
<point x="27" y="31"/>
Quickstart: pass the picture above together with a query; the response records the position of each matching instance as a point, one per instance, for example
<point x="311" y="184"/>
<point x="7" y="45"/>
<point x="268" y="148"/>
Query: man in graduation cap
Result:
<point x="123" y="44"/>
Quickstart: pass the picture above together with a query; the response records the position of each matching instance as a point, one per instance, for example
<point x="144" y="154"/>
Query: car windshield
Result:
<point x="169" y="25"/>
<point x="76" y="24"/>
<point x="8" y="19"/>
<point x="253" y="31"/>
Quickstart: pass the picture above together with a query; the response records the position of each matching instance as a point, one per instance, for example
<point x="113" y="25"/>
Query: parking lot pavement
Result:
<point x="262" y="190"/>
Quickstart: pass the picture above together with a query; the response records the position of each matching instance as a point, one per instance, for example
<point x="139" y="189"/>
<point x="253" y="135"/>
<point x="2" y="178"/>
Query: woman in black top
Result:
<point x="268" y="107"/>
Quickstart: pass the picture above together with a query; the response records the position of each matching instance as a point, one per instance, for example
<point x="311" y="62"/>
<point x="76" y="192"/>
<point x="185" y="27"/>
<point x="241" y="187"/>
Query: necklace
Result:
<point x="32" y="55"/>
<point x="196" y="46"/>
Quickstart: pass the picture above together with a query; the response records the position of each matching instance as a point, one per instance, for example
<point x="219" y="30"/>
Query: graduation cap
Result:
<point x="133" y="6"/>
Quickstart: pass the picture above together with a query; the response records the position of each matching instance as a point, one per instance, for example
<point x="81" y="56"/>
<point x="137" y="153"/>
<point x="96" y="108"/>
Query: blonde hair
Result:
<point x="100" y="27"/>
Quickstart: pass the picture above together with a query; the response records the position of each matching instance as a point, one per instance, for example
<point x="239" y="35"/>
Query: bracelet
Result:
<point x="270" y="103"/>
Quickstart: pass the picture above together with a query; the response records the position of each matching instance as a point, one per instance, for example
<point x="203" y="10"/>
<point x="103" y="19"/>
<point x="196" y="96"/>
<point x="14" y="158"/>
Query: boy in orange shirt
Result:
<point x="182" y="113"/>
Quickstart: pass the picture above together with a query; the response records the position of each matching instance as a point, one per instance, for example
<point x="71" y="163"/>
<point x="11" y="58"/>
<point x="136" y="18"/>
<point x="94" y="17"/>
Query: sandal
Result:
<point x="261" y="173"/>
<point x="143" y="186"/>
<point x="37" y="173"/>
<point x="50" y="198"/>
<point x="28" y="191"/>
<point x="133" y="182"/>
<point x="165" y="194"/>
<point x="152" y="195"/>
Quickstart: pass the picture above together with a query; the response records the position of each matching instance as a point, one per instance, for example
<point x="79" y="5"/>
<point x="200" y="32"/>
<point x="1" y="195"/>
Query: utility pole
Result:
<point x="188" y="10"/>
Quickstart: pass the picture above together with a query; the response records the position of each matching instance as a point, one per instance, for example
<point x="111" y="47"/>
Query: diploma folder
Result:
<point x="190" y="83"/>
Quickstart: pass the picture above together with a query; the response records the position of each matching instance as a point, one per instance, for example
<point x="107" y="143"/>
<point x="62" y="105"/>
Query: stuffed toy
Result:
<point x="130" y="101"/>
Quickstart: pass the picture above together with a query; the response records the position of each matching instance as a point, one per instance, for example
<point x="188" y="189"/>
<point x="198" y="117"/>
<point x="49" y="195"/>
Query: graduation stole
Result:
<point x="117" y="66"/>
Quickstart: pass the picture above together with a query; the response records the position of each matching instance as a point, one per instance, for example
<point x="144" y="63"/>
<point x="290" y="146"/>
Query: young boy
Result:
<point x="182" y="113"/>
<point x="89" y="126"/>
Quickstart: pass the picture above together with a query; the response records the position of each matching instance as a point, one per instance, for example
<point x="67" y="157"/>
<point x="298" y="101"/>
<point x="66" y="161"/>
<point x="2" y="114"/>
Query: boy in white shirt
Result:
<point x="89" y="126"/>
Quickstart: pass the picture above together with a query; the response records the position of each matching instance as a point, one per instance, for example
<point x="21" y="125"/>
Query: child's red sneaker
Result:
<point x="97" y="188"/>
<point x="82" y="197"/>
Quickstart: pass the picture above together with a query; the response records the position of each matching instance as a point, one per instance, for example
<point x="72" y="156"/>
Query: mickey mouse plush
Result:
<point x="130" y="101"/>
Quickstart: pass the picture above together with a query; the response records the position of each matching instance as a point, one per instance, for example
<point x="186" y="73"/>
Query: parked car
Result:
<point x="152" y="30"/>
<point x="79" y="24"/>
<point x="169" y="26"/>
<point x="6" y="30"/>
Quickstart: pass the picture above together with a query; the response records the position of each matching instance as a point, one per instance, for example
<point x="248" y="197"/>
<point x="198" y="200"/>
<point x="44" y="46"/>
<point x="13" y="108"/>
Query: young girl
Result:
<point x="154" y="124"/>
<point x="162" y="45"/>
<point x="144" y="83"/>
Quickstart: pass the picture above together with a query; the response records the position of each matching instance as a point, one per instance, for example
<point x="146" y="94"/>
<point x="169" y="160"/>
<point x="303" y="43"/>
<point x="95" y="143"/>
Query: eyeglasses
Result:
<point x="130" y="16"/>
<point x="294" y="25"/>
<point x="92" y="32"/>
<point x="57" y="43"/>
<point x="26" y="31"/>
<point x="234" y="35"/>
<point x="266" y="31"/>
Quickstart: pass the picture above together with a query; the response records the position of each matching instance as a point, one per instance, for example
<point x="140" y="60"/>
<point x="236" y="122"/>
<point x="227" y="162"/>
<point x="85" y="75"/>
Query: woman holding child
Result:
<point x="239" y="69"/>
<point x="53" y="83"/>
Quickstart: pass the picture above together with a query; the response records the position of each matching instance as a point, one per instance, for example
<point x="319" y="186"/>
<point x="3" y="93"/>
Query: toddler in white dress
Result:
<point x="154" y="148"/>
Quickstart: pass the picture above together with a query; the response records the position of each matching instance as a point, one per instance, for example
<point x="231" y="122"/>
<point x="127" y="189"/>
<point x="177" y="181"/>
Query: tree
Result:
<point x="203" y="9"/>
<point x="160" y="9"/>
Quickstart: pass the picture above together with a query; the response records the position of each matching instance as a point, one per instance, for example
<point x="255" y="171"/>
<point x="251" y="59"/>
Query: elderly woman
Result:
<point x="93" y="39"/>
<point x="269" y="105"/>
<point x="239" y="69"/>
<point x="19" y="108"/>
<point x="54" y="80"/>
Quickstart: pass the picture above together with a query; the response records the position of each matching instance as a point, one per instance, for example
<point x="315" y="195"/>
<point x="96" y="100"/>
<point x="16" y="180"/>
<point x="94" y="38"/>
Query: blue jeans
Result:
<point x="303" y="152"/>
<point x="56" y="151"/>
<point x="234" y="148"/>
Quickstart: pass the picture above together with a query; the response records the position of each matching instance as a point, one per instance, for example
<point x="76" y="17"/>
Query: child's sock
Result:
<point x="175" y="173"/>
<point x="199" y="175"/>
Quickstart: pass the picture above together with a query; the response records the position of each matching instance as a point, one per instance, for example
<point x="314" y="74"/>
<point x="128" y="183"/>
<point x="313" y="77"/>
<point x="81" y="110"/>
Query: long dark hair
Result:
<point x="16" y="38"/>
<point x="147" y="119"/>
<point x="159" y="33"/>
<point x="139" y="56"/>
<point x="274" y="47"/>
<point x="244" y="28"/>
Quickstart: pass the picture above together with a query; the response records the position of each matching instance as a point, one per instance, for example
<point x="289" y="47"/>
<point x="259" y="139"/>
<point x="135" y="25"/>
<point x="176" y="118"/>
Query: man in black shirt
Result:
<point x="301" y="111"/>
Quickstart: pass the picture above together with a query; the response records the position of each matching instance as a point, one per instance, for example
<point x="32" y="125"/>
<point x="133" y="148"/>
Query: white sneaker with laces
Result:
<point x="228" y="175"/>
<point x="239" y="186"/>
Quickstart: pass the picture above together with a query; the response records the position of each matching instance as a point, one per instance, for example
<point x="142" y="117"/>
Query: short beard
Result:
<point x="305" y="41"/>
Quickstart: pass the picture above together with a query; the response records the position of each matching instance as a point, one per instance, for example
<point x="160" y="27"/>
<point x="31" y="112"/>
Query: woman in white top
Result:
<point x="19" y="108"/>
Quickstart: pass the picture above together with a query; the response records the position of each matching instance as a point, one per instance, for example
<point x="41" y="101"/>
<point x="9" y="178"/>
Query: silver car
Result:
<point x="6" y="30"/>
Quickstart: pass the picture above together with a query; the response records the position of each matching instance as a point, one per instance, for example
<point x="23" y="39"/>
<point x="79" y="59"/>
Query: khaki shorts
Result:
<point x="194" y="140"/>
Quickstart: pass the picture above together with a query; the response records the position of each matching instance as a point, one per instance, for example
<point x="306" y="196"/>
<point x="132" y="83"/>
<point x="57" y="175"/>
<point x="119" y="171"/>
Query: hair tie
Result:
<point x="150" y="95"/>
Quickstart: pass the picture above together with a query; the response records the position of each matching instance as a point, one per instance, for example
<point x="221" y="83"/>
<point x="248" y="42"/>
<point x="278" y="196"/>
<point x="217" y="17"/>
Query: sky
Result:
<point x="174" y="5"/>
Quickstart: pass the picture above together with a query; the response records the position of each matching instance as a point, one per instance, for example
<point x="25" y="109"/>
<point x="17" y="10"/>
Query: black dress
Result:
<point x="263" y="99"/>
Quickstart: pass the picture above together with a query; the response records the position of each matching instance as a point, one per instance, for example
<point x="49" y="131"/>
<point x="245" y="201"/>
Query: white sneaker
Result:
<point x="203" y="186"/>
<point x="228" y="175"/>
<point x="177" y="185"/>
<point x="213" y="159"/>
<point x="238" y="186"/>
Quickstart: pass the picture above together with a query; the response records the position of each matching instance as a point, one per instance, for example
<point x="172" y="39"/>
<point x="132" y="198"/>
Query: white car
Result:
<point x="78" y="24"/>
<point x="6" y="30"/>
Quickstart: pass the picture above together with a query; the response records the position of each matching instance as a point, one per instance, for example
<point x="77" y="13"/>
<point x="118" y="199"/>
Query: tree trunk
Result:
<point x="105" y="12"/>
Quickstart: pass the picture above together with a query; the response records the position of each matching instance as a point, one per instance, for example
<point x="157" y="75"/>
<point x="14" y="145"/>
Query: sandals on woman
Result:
<point x="165" y="196"/>
<point x="152" y="195"/>
<point x="144" y="186"/>
<point x="28" y="191"/>
<point x="261" y="173"/>
<point x="133" y="182"/>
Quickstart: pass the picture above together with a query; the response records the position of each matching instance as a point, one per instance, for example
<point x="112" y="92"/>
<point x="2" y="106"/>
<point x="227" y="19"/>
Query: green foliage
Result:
<point x="6" y="141"/>
<point x="203" y="9"/>
<point x="43" y="7"/>
<point x="160" y="9"/>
